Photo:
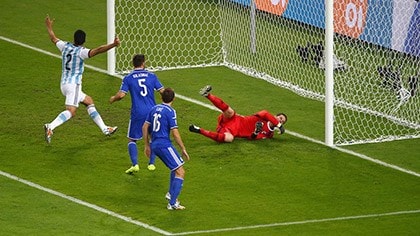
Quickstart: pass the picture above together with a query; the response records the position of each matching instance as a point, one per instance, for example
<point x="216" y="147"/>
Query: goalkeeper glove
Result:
<point x="280" y="128"/>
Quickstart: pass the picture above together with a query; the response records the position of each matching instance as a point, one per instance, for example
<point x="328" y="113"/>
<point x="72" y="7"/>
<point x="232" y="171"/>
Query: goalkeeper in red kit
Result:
<point x="230" y="125"/>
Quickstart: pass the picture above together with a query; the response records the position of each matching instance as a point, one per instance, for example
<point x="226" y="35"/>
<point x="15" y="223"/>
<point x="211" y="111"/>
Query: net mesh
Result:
<point x="376" y="57"/>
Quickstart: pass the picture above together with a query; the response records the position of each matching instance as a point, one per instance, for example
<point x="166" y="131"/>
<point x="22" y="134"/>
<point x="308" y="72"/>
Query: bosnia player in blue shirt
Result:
<point x="141" y="85"/>
<point x="161" y="122"/>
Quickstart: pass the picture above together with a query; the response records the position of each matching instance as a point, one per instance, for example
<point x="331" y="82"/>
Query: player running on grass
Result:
<point x="230" y="125"/>
<point x="73" y="56"/>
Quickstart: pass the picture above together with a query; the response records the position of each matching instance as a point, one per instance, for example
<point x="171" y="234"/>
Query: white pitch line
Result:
<point x="47" y="53"/>
<point x="127" y="219"/>
<point x="158" y="230"/>
<point x="353" y="153"/>
<point x="301" y="222"/>
<point x="89" y="205"/>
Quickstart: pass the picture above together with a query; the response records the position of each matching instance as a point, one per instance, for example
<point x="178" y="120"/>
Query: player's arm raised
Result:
<point x="49" y="24"/>
<point x="104" y="48"/>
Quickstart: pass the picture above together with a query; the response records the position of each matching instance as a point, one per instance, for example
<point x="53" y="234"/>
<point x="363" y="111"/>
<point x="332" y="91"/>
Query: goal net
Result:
<point x="173" y="34"/>
<point x="376" y="52"/>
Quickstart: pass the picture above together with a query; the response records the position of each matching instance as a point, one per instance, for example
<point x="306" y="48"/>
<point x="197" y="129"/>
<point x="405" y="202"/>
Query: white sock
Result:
<point x="96" y="117"/>
<point x="60" y="119"/>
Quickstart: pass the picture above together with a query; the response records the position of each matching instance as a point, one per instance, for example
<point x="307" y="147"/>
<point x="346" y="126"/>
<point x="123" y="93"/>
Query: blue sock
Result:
<point x="176" y="189"/>
<point x="132" y="151"/>
<point x="171" y="180"/>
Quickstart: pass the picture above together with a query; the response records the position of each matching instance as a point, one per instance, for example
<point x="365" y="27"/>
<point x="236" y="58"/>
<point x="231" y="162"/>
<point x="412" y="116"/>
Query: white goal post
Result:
<point x="110" y="17"/>
<point x="361" y="58"/>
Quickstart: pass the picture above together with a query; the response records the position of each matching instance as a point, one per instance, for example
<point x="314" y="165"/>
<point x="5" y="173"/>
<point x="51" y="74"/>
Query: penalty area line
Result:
<point x="302" y="222"/>
<point x="129" y="220"/>
<point x="83" y="203"/>
<point x="362" y="156"/>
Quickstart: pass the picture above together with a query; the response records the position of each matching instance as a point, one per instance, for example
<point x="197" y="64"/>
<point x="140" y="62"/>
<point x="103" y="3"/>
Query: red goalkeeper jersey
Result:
<point x="243" y="126"/>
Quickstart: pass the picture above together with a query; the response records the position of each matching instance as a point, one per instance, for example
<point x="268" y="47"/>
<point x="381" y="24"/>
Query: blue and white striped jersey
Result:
<point x="72" y="62"/>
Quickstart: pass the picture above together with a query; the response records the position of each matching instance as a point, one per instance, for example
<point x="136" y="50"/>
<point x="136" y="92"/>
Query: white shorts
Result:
<point x="73" y="93"/>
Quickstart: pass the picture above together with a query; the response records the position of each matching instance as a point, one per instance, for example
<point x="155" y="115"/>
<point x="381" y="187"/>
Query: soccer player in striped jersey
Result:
<point x="260" y="125"/>
<point x="73" y="56"/>
<point x="161" y="122"/>
<point x="141" y="85"/>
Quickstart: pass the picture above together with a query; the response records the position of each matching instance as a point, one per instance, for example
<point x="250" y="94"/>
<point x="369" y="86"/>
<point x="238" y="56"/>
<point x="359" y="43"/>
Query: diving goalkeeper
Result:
<point x="230" y="125"/>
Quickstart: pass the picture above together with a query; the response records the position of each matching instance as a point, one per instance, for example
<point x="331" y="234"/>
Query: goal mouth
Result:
<point x="287" y="48"/>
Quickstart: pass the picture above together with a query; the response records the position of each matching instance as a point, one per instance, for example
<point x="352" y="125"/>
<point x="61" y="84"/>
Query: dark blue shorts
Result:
<point x="135" y="129"/>
<point x="170" y="156"/>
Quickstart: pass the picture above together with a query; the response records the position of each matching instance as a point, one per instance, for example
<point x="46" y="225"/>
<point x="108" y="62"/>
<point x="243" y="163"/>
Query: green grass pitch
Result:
<point x="284" y="186"/>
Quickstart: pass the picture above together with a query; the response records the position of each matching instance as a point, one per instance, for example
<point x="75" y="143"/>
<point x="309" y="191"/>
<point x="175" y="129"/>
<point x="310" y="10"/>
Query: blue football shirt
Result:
<point x="162" y="118"/>
<point x="141" y="85"/>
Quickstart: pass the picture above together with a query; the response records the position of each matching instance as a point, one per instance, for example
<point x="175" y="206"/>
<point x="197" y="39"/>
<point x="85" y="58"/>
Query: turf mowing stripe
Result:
<point x="302" y="222"/>
<point x="213" y="108"/>
<point x="127" y="219"/>
<point x="158" y="230"/>
<point x="47" y="52"/>
<point x="382" y="163"/>
<point x="80" y="202"/>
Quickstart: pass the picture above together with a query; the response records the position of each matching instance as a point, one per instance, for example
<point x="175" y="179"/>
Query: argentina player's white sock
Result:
<point x="60" y="119"/>
<point x="96" y="117"/>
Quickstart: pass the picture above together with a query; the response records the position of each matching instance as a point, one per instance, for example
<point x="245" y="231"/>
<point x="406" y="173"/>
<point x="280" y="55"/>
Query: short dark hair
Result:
<point x="281" y="113"/>
<point x="138" y="60"/>
<point x="168" y="95"/>
<point x="79" y="37"/>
